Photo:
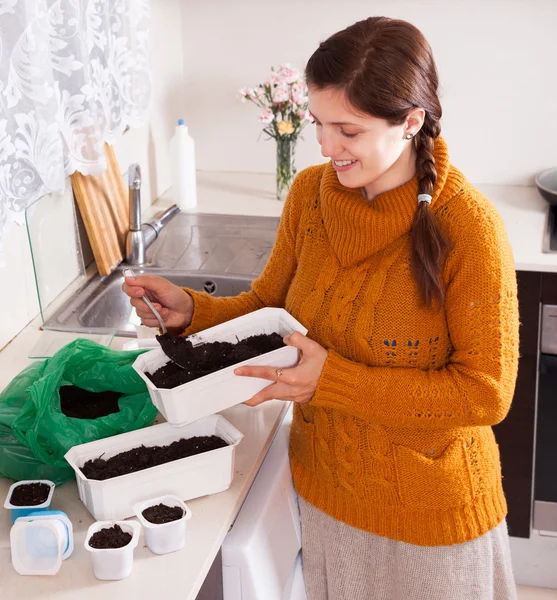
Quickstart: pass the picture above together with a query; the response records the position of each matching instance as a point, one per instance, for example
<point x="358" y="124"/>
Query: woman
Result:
<point x="403" y="275"/>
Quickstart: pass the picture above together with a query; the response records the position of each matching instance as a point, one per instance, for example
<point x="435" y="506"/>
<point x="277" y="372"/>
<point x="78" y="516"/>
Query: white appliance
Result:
<point x="261" y="557"/>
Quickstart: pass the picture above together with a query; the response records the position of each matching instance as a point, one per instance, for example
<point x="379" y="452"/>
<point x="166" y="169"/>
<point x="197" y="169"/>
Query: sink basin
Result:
<point x="102" y="304"/>
<point x="218" y="254"/>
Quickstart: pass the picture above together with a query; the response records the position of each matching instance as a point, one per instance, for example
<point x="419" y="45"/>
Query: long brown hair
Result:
<point x="385" y="67"/>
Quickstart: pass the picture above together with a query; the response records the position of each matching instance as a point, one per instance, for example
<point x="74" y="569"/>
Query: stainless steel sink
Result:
<point x="218" y="254"/>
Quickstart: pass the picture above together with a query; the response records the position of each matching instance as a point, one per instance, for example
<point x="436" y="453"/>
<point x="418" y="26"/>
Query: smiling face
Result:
<point x="367" y="152"/>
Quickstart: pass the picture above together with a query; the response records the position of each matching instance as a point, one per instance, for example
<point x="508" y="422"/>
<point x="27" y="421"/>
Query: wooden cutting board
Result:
<point x="103" y="204"/>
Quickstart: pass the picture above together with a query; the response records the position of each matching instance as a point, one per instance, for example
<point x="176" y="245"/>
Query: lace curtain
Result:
<point x="73" y="75"/>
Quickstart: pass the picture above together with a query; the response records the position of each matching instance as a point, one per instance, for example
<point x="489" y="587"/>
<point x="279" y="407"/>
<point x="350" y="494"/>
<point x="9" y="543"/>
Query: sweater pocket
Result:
<point x="429" y="482"/>
<point x="302" y="439"/>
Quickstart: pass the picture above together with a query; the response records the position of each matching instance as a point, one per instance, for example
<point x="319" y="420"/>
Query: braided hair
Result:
<point x="385" y="67"/>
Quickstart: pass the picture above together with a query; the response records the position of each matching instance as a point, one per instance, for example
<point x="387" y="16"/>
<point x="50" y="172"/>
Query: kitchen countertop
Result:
<point x="525" y="215"/>
<point x="522" y="208"/>
<point x="181" y="574"/>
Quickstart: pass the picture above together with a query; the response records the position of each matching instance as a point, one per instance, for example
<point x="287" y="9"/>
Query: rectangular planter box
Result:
<point x="215" y="392"/>
<point x="191" y="477"/>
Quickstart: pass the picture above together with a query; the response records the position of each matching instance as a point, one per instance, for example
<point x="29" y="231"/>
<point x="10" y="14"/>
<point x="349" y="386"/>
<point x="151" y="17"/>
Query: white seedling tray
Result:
<point x="219" y="390"/>
<point x="191" y="477"/>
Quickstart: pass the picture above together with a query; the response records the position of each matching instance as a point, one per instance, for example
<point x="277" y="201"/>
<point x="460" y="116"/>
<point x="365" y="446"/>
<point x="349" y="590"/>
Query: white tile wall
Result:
<point x="496" y="60"/>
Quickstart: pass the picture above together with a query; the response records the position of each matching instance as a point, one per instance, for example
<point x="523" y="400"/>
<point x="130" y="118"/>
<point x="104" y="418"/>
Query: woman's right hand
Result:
<point x="173" y="303"/>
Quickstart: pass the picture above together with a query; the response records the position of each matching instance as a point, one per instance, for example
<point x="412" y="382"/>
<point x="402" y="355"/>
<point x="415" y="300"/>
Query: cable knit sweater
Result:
<point x="397" y="439"/>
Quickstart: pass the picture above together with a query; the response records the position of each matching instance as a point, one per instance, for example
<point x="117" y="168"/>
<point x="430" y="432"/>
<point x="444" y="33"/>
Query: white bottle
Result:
<point x="182" y="150"/>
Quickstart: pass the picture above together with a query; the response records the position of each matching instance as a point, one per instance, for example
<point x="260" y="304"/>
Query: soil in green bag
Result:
<point x="144" y="457"/>
<point x="110" y="537"/>
<point x="82" y="404"/>
<point x="161" y="513"/>
<point x="207" y="358"/>
<point x="30" y="494"/>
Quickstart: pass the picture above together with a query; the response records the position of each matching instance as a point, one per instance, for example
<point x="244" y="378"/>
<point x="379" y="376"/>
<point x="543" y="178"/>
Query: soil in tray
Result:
<point x="144" y="457"/>
<point x="161" y="513"/>
<point x="30" y="494"/>
<point x="82" y="404"/>
<point x="204" y="359"/>
<point x="110" y="537"/>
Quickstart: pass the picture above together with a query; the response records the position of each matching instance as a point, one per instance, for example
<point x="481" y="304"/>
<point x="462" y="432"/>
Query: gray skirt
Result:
<point x="344" y="563"/>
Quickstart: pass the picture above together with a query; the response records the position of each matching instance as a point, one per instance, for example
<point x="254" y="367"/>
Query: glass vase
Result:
<point x="285" y="165"/>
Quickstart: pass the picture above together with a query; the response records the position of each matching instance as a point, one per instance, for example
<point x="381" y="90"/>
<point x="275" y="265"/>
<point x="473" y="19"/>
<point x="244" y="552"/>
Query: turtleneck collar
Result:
<point x="358" y="228"/>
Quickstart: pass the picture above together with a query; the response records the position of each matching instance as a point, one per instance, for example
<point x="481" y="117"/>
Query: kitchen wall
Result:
<point x="496" y="60"/>
<point x="147" y="145"/>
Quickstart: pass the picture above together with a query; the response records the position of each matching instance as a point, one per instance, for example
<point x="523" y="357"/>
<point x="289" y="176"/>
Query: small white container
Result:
<point x="187" y="478"/>
<point x="22" y="511"/>
<point x="40" y="544"/>
<point x="165" y="537"/>
<point x="113" y="563"/>
<point x="215" y="392"/>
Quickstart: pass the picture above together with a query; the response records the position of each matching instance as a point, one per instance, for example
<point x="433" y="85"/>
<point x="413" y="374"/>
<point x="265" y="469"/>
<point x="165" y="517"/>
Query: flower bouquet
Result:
<point x="284" y="100"/>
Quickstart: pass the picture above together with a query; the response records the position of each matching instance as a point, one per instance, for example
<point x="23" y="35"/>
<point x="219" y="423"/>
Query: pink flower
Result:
<point x="289" y="74"/>
<point x="275" y="78"/>
<point x="280" y="94"/>
<point x="283" y="98"/>
<point x="266" y="116"/>
<point x="299" y="93"/>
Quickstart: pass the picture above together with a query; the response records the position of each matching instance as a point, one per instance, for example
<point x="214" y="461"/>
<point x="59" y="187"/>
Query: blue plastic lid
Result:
<point x="63" y="518"/>
<point x="181" y="122"/>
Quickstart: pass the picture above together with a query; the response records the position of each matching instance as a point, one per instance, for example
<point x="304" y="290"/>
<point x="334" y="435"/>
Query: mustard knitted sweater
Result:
<point x="397" y="439"/>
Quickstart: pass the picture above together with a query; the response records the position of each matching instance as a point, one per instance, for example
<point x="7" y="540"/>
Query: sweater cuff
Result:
<point x="338" y="382"/>
<point x="203" y="313"/>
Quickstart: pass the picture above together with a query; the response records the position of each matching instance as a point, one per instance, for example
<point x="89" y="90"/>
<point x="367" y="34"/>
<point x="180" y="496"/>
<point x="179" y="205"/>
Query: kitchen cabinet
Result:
<point x="212" y="588"/>
<point x="516" y="434"/>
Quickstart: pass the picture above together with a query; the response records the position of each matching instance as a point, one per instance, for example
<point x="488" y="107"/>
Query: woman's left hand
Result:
<point x="297" y="384"/>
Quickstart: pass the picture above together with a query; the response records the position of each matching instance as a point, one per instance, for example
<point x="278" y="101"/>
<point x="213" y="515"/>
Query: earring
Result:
<point x="409" y="136"/>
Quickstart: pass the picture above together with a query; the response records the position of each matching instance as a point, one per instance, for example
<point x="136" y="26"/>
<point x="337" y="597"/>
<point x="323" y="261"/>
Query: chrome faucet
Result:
<point x="141" y="236"/>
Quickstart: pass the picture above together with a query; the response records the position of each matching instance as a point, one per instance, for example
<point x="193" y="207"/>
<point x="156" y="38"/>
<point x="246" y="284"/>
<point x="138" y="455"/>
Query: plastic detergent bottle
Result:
<point x="182" y="150"/>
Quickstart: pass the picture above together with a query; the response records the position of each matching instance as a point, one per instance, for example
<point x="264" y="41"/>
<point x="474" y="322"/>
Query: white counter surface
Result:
<point x="173" y="576"/>
<point x="523" y="209"/>
<point x="525" y="214"/>
<point x="180" y="575"/>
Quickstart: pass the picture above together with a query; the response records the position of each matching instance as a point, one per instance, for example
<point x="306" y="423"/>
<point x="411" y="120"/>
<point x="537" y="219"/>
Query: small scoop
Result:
<point x="168" y="342"/>
<point x="130" y="273"/>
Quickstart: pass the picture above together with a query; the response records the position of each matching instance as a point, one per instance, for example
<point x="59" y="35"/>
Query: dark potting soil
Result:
<point x="30" y="494"/>
<point x="144" y="457"/>
<point x="207" y="358"/>
<point x="110" y="537"/>
<point x="82" y="404"/>
<point x="161" y="513"/>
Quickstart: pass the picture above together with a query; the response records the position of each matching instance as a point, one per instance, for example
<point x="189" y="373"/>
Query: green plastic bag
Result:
<point x="35" y="434"/>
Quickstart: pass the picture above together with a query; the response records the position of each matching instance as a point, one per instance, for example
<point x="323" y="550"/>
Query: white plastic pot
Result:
<point x="22" y="511"/>
<point x="187" y="478"/>
<point x="165" y="537"/>
<point x="40" y="542"/>
<point x="222" y="389"/>
<point x="113" y="563"/>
